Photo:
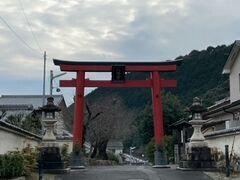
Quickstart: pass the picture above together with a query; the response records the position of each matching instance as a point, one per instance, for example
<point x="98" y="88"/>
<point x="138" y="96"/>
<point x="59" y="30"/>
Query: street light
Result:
<point x="53" y="77"/>
<point x="131" y="148"/>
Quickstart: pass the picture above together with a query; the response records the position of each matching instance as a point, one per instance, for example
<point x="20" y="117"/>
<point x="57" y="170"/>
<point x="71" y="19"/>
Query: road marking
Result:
<point x="135" y="179"/>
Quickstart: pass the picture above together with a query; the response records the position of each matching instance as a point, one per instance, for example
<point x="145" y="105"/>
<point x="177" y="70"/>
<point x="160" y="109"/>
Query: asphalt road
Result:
<point x="132" y="173"/>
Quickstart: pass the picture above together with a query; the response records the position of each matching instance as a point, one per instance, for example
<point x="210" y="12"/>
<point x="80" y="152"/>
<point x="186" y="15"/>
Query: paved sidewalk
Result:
<point x="132" y="173"/>
<point x="222" y="176"/>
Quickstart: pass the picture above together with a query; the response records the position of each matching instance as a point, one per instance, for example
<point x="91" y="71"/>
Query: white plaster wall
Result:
<point x="234" y="81"/>
<point x="10" y="141"/>
<point x="220" y="142"/>
<point x="222" y="117"/>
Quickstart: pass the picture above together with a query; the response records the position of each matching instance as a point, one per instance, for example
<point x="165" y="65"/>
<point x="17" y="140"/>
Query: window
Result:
<point x="49" y="115"/>
<point x="227" y="124"/>
<point x="197" y="115"/>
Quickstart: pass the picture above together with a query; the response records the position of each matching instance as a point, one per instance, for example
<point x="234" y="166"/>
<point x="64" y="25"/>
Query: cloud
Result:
<point x="109" y="30"/>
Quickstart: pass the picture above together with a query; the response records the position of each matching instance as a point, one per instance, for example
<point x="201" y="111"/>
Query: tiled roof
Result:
<point x="222" y="108"/>
<point x="34" y="100"/>
<point x="180" y="123"/>
<point x="232" y="57"/>
<point x="219" y="104"/>
<point x="16" y="107"/>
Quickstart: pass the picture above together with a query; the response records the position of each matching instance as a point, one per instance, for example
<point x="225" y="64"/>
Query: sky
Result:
<point x="104" y="30"/>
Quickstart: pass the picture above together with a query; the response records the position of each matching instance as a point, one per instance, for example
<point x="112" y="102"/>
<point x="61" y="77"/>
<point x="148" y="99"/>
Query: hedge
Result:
<point x="11" y="165"/>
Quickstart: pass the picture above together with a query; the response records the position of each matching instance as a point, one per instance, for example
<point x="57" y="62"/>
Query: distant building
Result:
<point x="115" y="146"/>
<point x="27" y="104"/>
<point x="15" y="138"/>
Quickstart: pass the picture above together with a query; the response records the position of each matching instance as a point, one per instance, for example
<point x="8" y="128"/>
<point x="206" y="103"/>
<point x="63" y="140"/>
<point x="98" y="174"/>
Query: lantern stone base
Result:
<point x="160" y="160"/>
<point x="77" y="160"/>
<point x="195" y="144"/>
<point x="198" y="158"/>
<point x="51" y="158"/>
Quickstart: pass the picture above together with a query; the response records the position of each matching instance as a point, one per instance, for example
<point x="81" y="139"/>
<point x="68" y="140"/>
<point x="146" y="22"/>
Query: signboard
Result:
<point x="118" y="74"/>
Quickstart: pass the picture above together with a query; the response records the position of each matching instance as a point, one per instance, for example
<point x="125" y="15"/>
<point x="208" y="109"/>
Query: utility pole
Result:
<point x="44" y="77"/>
<point x="51" y="81"/>
<point x="53" y="77"/>
<point x="131" y="156"/>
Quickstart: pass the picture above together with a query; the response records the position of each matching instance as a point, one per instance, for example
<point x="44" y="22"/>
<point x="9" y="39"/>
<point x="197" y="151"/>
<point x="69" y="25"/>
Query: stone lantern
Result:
<point x="50" y="159"/>
<point x="197" y="139"/>
<point x="49" y="119"/>
<point x="198" y="154"/>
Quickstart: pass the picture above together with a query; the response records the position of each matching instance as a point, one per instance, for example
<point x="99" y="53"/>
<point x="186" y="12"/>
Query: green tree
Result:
<point x="144" y="124"/>
<point x="15" y="120"/>
<point x="32" y="123"/>
<point x="173" y="110"/>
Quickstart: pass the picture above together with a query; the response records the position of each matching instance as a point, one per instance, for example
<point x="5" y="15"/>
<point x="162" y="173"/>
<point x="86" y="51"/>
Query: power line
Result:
<point x="18" y="36"/>
<point x="30" y="25"/>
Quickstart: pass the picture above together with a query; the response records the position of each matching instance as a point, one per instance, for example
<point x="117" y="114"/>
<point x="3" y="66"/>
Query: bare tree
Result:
<point x="106" y="119"/>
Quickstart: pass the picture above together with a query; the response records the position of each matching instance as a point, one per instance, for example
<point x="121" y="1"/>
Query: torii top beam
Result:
<point x="106" y="66"/>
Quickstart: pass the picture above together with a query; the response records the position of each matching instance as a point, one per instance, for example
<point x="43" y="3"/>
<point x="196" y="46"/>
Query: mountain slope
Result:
<point x="199" y="75"/>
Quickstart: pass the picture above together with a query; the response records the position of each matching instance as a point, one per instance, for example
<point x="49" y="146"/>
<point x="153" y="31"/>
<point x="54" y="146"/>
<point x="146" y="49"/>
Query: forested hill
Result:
<point x="200" y="74"/>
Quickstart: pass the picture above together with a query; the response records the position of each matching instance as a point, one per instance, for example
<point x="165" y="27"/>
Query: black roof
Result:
<point x="180" y="124"/>
<point x="224" y="107"/>
<point x="114" y="63"/>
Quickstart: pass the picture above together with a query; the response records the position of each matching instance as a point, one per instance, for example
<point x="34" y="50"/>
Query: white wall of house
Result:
<point x="222" y="117"/>
<point x="219" y="142"/>
<point x="234" y="80"/>
<point x="223" y="120"/>
<point x="11" y="140"/>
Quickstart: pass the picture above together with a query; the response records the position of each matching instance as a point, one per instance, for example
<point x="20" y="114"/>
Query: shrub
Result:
<point x="150" y="149"/>
<point x="30" y="156"/>
<point x="166" y="146"/>
<point x="65" y="154"/>
<point x="113" y="157"/>
<point x="11" y="165"/>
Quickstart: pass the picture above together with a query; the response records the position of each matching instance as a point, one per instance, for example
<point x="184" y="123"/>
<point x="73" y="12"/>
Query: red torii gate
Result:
<point x="156" y="83"/>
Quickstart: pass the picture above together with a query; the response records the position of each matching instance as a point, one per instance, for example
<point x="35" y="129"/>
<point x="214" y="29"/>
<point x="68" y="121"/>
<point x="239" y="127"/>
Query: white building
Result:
<point x="13" y="137"/>
<point x="115" y="146"/>
<point x="223" y="125"/>
<point x="26" y="104"/>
